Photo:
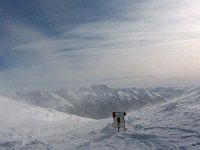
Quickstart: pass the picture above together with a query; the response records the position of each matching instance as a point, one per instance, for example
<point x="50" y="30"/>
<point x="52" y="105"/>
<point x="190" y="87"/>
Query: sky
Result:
<point x="55" y="44"/>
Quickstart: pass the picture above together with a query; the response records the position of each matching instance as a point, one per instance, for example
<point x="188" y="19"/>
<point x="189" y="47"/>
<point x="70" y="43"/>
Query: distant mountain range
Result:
<point x="162" y="119"/>
<point x="98" y="101"/>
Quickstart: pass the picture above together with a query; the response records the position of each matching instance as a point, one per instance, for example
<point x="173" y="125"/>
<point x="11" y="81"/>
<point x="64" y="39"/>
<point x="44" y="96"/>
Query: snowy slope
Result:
<point x="172" y="125"/>
<point x="15" y="110"/>
<point x="22" y="124"/>
<point x="41" y="98"/>
<point x="97" y="101"/>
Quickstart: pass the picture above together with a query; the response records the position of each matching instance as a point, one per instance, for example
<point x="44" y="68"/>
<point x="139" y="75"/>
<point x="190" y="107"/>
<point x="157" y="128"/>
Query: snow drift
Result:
<point x="173" y="124"/>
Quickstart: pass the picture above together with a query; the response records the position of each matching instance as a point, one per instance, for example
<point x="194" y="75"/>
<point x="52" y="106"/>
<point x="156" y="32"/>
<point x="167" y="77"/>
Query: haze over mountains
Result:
<point x="98" y="101"/>
<point x="158" y="119"/>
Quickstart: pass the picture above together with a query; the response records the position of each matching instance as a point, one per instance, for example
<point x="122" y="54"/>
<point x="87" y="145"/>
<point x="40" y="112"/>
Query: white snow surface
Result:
<point x="172" y="125"/>
<point x="89" y="102"/>
<point x="61" y="99"/>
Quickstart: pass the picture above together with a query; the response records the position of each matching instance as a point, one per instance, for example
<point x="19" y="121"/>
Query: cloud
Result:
<point x="149" y="43"/>
<point x="25" y="32"/>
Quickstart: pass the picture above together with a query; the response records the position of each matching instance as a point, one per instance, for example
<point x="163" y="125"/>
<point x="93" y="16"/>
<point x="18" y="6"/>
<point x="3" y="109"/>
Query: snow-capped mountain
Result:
<point x="171" y="125"/>
<point x="98" y="100"/>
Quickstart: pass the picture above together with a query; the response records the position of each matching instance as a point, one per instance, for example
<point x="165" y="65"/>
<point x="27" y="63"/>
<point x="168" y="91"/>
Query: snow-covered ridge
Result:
<point x="11" y="110"/>
<point x="22" y="125"/>
<point x="173" y="124"/>
<point x="98" y="100"/>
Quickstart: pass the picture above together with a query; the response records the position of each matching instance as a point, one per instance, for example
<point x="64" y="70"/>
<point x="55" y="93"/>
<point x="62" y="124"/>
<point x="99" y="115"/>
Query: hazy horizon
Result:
<point x="59" y="44"/>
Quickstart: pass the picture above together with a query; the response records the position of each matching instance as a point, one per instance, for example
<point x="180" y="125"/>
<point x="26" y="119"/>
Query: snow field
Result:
<point x="171" y="125"/>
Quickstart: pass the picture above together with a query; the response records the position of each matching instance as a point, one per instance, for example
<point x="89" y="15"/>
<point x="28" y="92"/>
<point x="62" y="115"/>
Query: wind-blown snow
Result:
<point x="170" y="125"/>
<point x="56" y="96"/>
<point x="98" y="101"/>
<point x="13" y="110"/>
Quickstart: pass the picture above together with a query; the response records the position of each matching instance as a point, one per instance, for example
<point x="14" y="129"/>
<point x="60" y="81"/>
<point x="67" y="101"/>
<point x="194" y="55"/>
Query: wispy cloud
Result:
<point x="145" y="43"/>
